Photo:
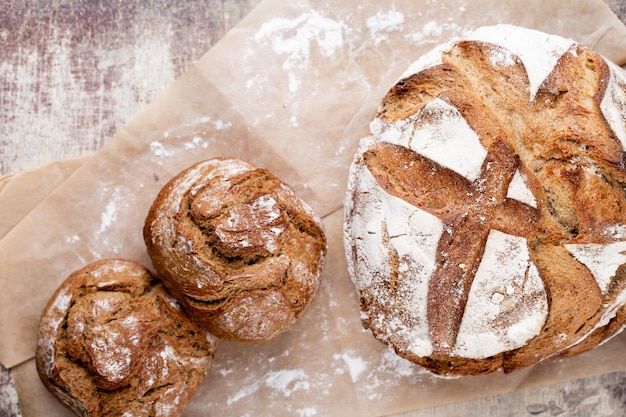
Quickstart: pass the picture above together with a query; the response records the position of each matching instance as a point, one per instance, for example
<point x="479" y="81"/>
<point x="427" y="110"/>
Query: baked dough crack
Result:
<point x="244" y="244"/>
<point x="501" y="155"/>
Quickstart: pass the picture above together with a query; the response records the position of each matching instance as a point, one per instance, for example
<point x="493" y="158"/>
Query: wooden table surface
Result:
<point x="84" y="68"/>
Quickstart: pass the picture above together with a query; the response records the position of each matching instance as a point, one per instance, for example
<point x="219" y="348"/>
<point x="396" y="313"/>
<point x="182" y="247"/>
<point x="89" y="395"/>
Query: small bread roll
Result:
<point x="238" y="249"/>
<point x="485" y="221"/>
<point x="112" y="341"/>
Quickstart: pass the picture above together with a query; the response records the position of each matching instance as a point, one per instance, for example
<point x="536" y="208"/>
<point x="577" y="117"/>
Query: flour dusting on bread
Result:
<point x="238" y="249"/>
<point x="483" y="213"/>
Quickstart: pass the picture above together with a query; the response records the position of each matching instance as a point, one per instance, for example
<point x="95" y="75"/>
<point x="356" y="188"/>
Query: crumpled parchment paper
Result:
<point x="291" y="88"/>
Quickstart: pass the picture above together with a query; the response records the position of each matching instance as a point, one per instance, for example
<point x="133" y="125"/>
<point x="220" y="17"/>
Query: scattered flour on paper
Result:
<point x="432" y="32"/>
<point x="109" y="215"/>
<point x="159" y="150"/>
<point x="294" y="39"/>
<point x="112" y="201"/>
<point x="287" y="381"/>
<point x="216" y="124"/>
<point x="73" y="239"/>
<point x="300" y="42"/>
<point x="306" y="412"/>
<point x="383" y="23"/>
<point x="390" y="372"/>
<point x="356" y="365"/>
<point x="170" y="146"/>
<point x="196" y="142"/>
<point x="284" y="382"/>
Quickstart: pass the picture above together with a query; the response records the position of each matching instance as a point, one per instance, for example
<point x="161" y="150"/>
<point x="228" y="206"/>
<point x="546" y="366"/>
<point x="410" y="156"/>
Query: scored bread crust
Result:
<point x="240" y="251"/>
<point x="485" y="217"/>
<point x="112" y="341"/>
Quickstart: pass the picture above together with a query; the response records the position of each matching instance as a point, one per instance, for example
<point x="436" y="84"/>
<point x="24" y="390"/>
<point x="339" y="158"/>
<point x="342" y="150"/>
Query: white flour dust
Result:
<point x="356" y="365"/>
<point x="383" y="23"/>
<point x="432" y="32"/>
<point x="296" y="39"/>
<point x="283" y="382"/>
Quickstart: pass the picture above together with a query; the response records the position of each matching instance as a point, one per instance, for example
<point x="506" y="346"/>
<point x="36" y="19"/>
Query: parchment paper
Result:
<point x="292" y="88"/>
<point x="19" y="194"/>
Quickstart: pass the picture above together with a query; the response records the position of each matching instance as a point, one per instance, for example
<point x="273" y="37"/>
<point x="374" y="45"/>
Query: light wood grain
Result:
<point x="73" y="72"/>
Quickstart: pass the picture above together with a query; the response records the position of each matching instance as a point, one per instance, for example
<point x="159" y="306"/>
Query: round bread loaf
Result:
<point x="485" y="219"/>
<point x="112" y="341"/>
<point x="238" y="249"/>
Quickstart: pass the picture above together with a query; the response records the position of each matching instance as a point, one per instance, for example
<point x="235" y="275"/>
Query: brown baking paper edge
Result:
<point x="298" y="111"/>
<point x="20" y="193"/>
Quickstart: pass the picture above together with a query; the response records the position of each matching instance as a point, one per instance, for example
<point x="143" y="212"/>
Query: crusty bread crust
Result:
<point x="485" y="155"/>
<point x="112" y="341"/>
<point x="237" y="248"/>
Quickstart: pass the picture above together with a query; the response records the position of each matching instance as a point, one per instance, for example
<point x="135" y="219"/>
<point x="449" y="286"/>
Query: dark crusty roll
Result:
<point x="239" y="250"/>
<point x="113" y="342"/>
<point x="485" y="220"/>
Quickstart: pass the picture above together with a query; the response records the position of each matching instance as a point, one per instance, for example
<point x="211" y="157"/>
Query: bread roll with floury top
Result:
<point x="113" y="342"/>
<point x="485" y="219"/>
<point x="235" y="245"/>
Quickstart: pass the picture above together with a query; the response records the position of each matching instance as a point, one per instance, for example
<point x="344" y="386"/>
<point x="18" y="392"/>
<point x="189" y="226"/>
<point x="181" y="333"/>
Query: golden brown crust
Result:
<point x="571" y="161"/>
<point x="237" y="248"/>
<point x="112" y="340"/>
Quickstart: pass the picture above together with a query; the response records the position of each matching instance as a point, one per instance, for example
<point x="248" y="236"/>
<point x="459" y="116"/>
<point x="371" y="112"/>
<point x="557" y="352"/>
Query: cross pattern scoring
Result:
<point x="469" y="210"/>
